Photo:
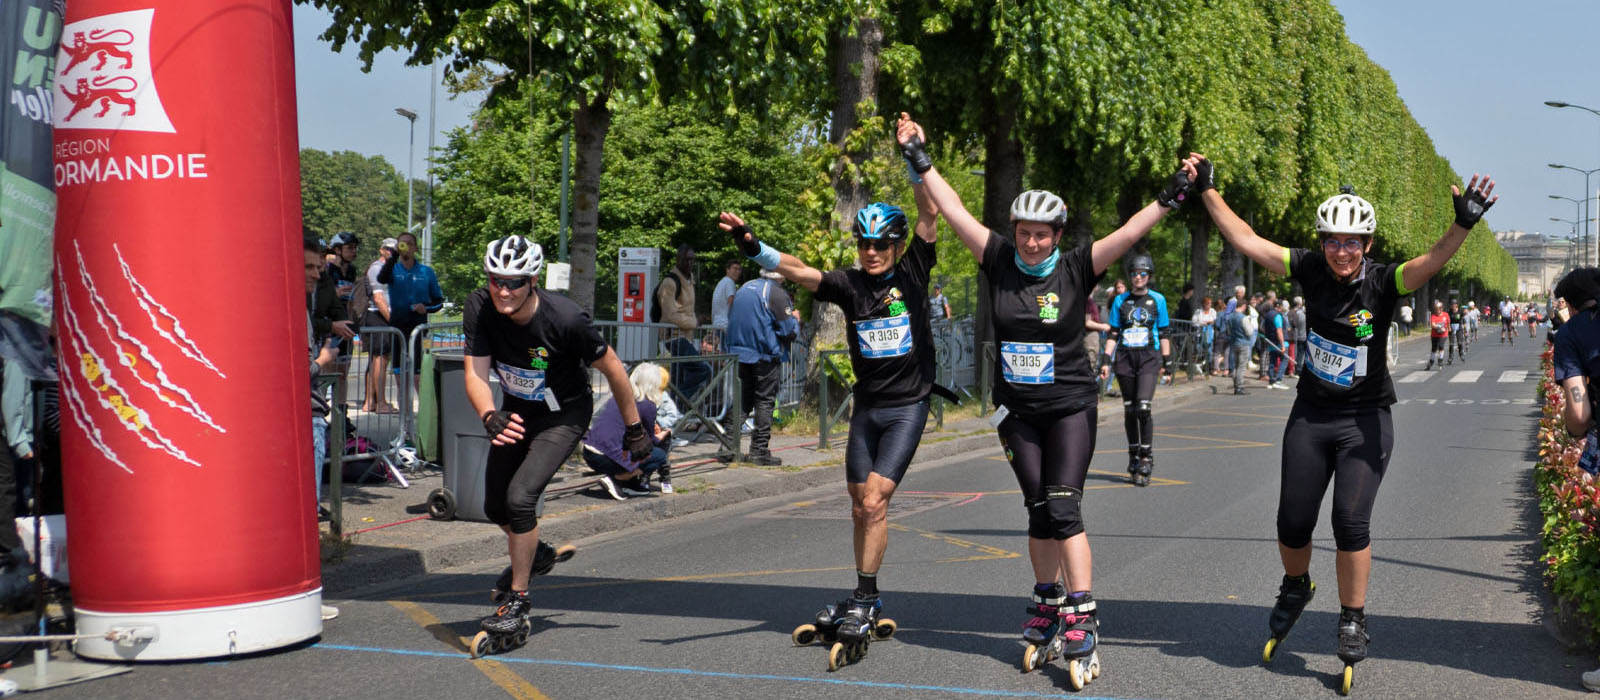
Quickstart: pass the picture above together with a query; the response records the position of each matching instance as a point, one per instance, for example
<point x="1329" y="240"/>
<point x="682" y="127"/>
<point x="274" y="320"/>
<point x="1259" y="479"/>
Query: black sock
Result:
<point x="866" y="585"/>
<point x="1302" y="580"/>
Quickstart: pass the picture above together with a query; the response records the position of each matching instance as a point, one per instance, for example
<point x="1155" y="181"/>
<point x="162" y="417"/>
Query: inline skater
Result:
<point x="1138" y="324"/>
<point x="1458" y="340"/>
<point x="538" y="343"/>
<point x="1045" y="388"/>
<point x="885" y="301"/>
<point x="1438" y="335"/>
<point x="1473" y="318"/>
<point x="1508" y="315"/>
<point x="1340" y="428"/>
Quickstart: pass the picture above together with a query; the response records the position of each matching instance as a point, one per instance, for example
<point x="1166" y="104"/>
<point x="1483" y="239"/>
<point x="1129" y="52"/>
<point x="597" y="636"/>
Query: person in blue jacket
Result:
<point x="1138" y="324"/>
<point x="761" y="323"/>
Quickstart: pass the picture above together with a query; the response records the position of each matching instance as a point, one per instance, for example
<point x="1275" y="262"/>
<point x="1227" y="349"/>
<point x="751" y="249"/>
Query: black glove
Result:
<point x="916" y="155"/>
<point x="746" y="240"/>
<point x="1202" y="176"/>
<point x="636" y="442"/>
<point x="495" y="422"/>
<point x="1178" y="187"/>
<point x="1470" y="206"/>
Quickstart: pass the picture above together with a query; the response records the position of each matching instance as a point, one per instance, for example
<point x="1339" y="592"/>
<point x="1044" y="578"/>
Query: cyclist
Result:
<point x="885" y="301"/>
<point x="1138" y="321"/>
<point x="1340" y="428"/>
<point x="1045" y="389"/>
<point x="538" y="343"/>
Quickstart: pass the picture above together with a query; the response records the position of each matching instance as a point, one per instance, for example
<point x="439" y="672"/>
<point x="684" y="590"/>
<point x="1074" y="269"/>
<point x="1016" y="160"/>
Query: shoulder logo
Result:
<point x="104" y="78"/>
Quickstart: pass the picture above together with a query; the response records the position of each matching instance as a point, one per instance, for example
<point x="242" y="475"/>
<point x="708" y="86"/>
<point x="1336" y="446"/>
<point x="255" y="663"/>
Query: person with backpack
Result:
<point x="1241" y="337"/>
<point x="675" y="294"/>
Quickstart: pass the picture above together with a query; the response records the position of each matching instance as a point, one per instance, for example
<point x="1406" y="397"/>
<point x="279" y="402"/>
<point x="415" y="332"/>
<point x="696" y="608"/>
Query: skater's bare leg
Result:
<point x="1068" y="561"/>
<point x="1296" y="562"/>
<point x="521" y="548"/>
<point x="869" y="509"/>
<point x="1353" y="568"/>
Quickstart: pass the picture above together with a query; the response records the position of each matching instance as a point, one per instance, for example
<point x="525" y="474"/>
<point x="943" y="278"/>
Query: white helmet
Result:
<point x="1346" y="213"/>
<point x="513" y="256"/>
<point x="1041" y="206"/>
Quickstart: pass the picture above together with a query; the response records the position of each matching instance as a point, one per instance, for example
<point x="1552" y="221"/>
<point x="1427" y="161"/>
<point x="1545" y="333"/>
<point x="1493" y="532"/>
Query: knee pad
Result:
<point x="1039" y="520"/>
<point x="1064" y="504"/>
<point x="1143" y="410"/>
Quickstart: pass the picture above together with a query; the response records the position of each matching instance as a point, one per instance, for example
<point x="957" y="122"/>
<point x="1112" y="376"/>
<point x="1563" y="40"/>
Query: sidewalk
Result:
<point x="389" y="536"/>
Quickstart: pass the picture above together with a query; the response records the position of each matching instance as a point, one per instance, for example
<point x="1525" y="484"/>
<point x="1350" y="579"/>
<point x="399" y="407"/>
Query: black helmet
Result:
<point x="344" y="238"/>
<point x="1141" y="262"/>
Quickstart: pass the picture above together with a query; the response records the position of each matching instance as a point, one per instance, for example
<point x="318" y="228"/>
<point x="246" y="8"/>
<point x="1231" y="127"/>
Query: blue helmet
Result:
<point x="879" y="220"/>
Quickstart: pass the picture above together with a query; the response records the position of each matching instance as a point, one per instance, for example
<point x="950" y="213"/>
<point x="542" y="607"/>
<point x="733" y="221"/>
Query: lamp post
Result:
<point x="410" y="157"/>
<point x="1577" y="213"/>
<point x="1558" y="104"/>
<point x="1583" y="221"/>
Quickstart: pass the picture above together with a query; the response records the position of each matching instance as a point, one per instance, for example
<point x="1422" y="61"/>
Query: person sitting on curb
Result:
<point x="621" y="476"/>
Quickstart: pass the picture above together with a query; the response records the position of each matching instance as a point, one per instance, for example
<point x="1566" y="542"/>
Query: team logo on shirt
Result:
<point x="896" y="302"/>
<point x="1362" y="320"/>
<point x="539" y="358"/>
<point x="1140" y="316"/>
<point x="1047" y="307"/>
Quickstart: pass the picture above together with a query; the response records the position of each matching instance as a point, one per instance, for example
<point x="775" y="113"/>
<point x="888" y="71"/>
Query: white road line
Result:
<point x="1417" y="377"/>
<point x="1513" y="375"/>
<point x="1466" y="376"/>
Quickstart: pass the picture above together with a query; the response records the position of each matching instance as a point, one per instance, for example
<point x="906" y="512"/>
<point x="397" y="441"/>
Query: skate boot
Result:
<point x="825" y="627"/>
<point x="1352" y="643"/>
<point x="506" y="629"/>
<point x="1080" y="634"/>
<point x="1293" y="596"/>
<point x="545" y="558"/>
<point x="1042" y="631"/>
<point x="859" y="623"/>
<point x="1147" y="464"/>
<point x="1133" y="464"/>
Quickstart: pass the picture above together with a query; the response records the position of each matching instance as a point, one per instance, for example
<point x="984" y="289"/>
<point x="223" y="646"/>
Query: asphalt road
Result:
<point x="1185" y="573"/>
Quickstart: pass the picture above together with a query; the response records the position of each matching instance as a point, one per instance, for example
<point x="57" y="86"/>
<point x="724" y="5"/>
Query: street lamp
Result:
<point x="411" y="158"/>
<point x="1584" y="215"/>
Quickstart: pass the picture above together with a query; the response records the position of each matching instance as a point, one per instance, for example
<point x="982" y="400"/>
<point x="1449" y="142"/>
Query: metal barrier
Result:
<point x="1188" y="353"/>
<point x="827" y="413"/>
<point x="364" y="375"/>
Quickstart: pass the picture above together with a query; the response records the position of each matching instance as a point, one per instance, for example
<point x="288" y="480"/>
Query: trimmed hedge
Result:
<point x="1570" y="504"/>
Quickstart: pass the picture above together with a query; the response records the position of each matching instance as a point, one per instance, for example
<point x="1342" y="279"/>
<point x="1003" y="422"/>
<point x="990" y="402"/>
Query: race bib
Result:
<point x="1028" y="363"/>
<point x="525" y="384"/>
<point x="1335" y="363"/>
<point x="884" y="337"/>
<point x="1136" y="337"/>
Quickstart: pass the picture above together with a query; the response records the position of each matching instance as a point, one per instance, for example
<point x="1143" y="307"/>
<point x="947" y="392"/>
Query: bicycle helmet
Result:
<point x="344" y="238"/>
<point x="1347" y="213"/>
<point x="513" y="256"/>
<point x="1041" y="206"/>
<point x="1141" y="262"/>
<point x="879" y="220"/>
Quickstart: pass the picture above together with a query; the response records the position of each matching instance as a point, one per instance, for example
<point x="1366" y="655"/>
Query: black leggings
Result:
<point x="1052" y="449"/>
<point x="1350" y="450"/>
<point x="519" y="472"/>
<point x="1138" y="372"/>
<point x="883" y="440"/>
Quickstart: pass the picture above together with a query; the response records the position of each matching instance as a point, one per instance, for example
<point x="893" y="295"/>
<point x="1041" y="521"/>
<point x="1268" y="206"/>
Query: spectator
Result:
<point x="1117" y="289"/>
<point x="1242" y="322"/>
<point x="321" y="359"/>
<point x="1186" y="303"/>
<point x="329" y="316"/>
<point x="1092" y="322"/>
<point x="620" y="475"/>
<point x="675" y="293"/>
<point x="722" y="296"/>
<point x="379" y="345"/>
<point x="413" y="294"/>
<point x="342" y="270"/>
<point x="1276" y="337"/>
<point x="760" y="326"/>
<point x="1577" y="366"/>
<point x="1298" y="350"/>
<point x="1205" y="323"/>
<point x="1406" y="313"/>
<point x="938" y="305"/>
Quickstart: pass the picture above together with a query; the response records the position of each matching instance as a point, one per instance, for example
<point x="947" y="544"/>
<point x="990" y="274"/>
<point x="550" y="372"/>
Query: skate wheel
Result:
<point x="1270" y="651"/>
<point x="482" y="645"/>
<point x="565" y="552"/>
<point x="1077" y="674"/>
<point x="804" y="635"/>
<point x="1032" y="658"/>
<point x="884" y="629"/>
<point x="1094" y="665"/>
<point x="1349" y="678"/>
<point x="837" y="656"/>
<point x="520" y="639"/>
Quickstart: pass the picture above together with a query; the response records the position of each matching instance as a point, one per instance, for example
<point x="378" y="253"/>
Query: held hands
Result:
<point x="743" y="237"/>
<point x="504" y="427"/>
<point x="1180" y="185"/>
<point x="636" y="442"/>
<point x="1471" y="205"/>
<point x="1203" y="177"/>
<point x="913" y="146"/>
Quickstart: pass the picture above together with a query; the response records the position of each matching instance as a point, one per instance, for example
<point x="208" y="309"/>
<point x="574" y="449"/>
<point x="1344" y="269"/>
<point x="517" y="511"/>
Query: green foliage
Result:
<point x="347" y="191"/>
<point x="1570" y="504"/>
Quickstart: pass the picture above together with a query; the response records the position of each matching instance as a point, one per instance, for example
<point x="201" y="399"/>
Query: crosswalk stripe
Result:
<point x="1466" y="376"/>
<point x="1416" y="377"/>
<point x="1513" y="375"/>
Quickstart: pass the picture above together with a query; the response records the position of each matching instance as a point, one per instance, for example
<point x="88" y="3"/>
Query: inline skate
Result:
<point x="545" y="558"/>
<point x="1293" y="596"/>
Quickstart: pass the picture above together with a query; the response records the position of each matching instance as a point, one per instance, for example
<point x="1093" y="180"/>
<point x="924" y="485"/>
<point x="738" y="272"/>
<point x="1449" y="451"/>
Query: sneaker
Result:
<point x="765" y="459"/>
<point x="1240" y="392"/>
<point x="610" y="486"/>
<point x="1276" y="385"/>
<point x="636" y="487"/>
<point x="664" y="479"/>
<point x="1591" y="680"/>
<point x="679" y="442"/>
<point x="323" y="514"/>
<point x="329" y="612"/>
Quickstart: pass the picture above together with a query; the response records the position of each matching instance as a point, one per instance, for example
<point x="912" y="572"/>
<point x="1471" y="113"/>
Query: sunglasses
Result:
<point x="510" y="284"/>
<point x="879" y="244"/>
<point x="1140" y="273"/>
<point x="1350" y="245"/>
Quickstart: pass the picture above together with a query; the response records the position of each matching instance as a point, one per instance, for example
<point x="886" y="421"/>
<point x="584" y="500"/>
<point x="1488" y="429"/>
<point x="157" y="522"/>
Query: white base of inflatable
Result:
<point x="203" y="633"/>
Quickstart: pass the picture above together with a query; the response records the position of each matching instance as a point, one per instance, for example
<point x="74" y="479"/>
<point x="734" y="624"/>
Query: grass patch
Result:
<point x="334" y="549"/>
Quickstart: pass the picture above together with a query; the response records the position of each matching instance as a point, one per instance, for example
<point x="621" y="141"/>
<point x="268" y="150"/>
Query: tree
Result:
<point x="347" y="191"/>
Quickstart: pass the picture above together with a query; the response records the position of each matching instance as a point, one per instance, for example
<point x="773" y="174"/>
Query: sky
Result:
<point x="1474" y="73"/>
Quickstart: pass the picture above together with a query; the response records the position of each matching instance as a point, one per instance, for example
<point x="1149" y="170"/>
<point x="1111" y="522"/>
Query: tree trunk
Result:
<point x="1003" y="164"/>
<point x="590" y="123"/>
<point x="1230" y="269"/>
<point x="855" y="81"/>
<point x="1199" y="257"/>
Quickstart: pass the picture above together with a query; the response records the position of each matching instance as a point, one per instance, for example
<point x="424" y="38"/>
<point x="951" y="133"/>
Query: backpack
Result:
<point x="655" y="308"/>
<point x="360" y="299"/>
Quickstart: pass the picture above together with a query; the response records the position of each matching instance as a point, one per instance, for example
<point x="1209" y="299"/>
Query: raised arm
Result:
<point x="768" y="257"/>
<point x="1238" y="233"/>
<point x="1470" y="207"/>
<point x="946" y="202"/>
<point x="1107" y="250"/>
<point x="927" y="227"/>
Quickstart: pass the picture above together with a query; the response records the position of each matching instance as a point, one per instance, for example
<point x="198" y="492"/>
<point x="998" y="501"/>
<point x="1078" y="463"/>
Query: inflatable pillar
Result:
<point x="180" y="311"/>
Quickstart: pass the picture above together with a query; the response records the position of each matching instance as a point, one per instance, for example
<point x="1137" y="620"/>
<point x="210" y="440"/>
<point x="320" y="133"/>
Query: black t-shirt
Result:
<point x="1186" y="308"/>
<point x="890" y="315"/>
<point x="1348" y="332"/>
<point x="541" y="364"/>
<point x="1041" y="365"/>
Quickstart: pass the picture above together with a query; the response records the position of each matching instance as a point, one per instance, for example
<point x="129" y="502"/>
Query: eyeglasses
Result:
<point x="878" y="244"/>
<point x="510" y="284"/>
<point x="1140" y="273"/>
<point x="1350" y="245"/>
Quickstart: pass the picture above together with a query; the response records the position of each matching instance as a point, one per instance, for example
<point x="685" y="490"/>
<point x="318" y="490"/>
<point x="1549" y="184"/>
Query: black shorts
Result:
<point x="1438" y="343"/>
<point x="1349" y="450"/>
<point x="518" y="473"/>
<point x="883" y="440"/>
<point x="377" y="344"/>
